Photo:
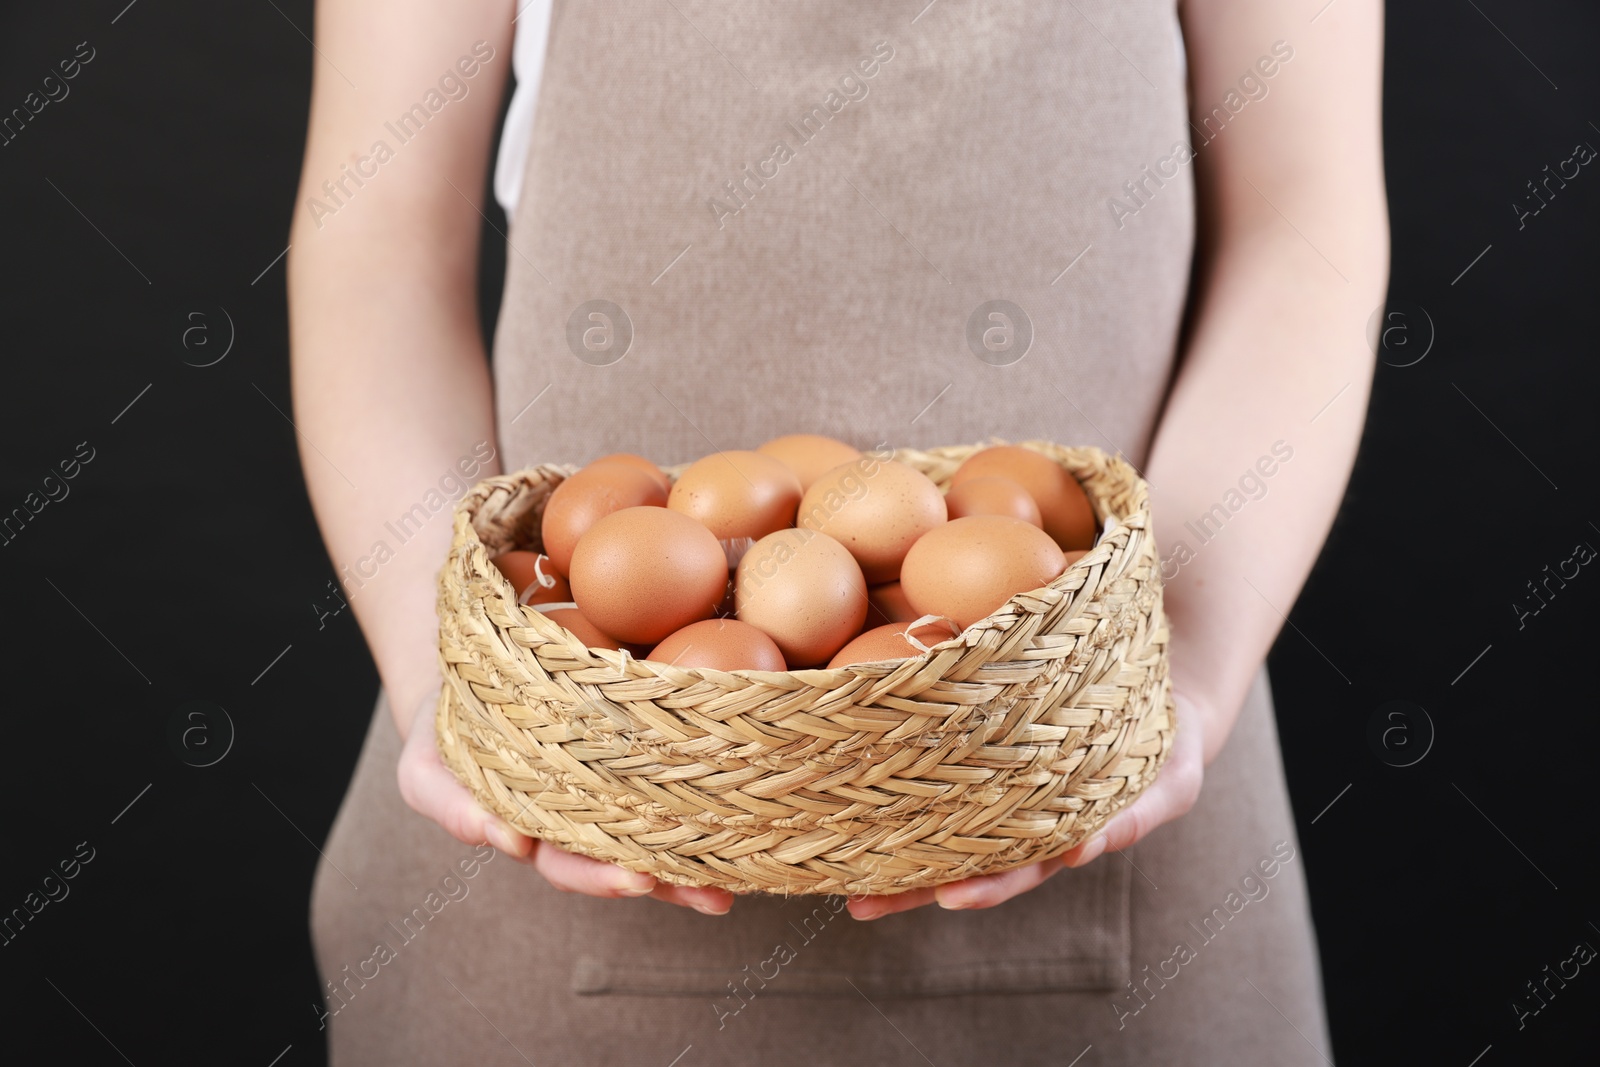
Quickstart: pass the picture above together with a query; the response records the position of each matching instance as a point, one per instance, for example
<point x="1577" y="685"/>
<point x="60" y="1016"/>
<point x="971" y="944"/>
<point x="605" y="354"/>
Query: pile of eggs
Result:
<point x="802" y="553"/>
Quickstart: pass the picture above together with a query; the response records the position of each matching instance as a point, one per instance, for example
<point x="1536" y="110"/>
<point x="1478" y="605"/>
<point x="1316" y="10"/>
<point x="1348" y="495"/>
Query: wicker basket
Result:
<point x="999" y="748"/>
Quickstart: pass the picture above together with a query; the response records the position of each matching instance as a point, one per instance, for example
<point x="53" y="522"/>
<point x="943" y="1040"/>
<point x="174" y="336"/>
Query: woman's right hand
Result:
<point x="431" y="789"/>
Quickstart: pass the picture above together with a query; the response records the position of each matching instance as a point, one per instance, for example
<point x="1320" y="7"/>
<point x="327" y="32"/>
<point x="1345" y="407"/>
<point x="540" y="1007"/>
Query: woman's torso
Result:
<point x="843" y="284"/>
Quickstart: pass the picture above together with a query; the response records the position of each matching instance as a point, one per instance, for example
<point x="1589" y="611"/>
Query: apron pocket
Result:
<point x="1068" y="935"/>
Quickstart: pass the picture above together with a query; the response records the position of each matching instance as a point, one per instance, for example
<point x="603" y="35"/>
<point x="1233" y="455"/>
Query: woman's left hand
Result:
<point x="1172" y="794"/>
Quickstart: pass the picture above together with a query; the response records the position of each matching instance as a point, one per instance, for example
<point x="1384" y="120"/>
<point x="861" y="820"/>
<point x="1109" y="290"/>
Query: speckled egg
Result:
<point x="533" y="577"/>
<point x="584" y="630"/>
<point x="809" y="455"/>
<point x="737" y="494"/>
<point x="1063" y="506"/>
<point x="887" y="603"/>
<point x="641" y="573"/>
<point x="628" y="459"/>
<point x="991" y="495"/>
<point x="876" y="508"/>
<point x="720" y="644"/>
<point x="890" y="643"/>
<point x="968" y="568"/>
<point x="805" y="591"/>
<point x="588" y="496"/>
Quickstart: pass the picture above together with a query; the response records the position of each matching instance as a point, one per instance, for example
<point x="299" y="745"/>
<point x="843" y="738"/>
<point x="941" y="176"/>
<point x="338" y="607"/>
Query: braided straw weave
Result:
<point x="1001" y="747"/>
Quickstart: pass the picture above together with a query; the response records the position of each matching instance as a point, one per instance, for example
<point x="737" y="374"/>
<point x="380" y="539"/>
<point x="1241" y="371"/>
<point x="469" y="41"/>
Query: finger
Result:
<point x="1172" y="794"/>
<point x="430" y="789"/>
<point x="704" y="899"/>
<point x="580" y="874"/>
<point x="877" y="907"/>
<point x="985" y="891"/>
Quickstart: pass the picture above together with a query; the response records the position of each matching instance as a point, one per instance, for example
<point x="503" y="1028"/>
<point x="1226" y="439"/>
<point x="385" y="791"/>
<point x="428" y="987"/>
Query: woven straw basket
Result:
<point x="995" y="749"/>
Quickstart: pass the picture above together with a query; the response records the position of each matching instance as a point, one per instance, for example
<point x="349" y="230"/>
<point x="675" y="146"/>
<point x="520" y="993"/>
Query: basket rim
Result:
<point x="1025" y="602"/>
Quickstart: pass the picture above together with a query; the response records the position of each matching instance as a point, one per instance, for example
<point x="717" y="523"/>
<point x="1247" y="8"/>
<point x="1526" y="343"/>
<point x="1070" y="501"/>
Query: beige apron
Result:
<point x="850" y="218"/>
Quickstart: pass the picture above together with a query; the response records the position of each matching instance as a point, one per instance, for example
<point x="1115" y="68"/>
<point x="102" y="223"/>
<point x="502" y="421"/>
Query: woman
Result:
<point x="731" y="224"/>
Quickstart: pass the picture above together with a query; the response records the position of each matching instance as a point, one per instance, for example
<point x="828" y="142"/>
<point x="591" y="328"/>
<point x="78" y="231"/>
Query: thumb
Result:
<point x="432" y="790"/>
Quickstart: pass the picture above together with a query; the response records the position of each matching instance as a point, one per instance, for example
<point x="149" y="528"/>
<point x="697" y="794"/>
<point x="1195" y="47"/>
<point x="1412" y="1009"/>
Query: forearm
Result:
<point x="1293" y="261"/>
<point x="391" y="388"/>
<point x="391" y="393"/>
<point x="1251" y="458"/>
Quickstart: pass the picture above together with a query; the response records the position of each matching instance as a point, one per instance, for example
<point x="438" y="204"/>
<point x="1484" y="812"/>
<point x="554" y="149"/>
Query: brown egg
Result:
<point x="875" y="508"/>
<point x="722" y="645"/>
<point x="889" y="642"/>
<point x="737" y="494"/>
<point x="584" y="630"/>
<point x="588" y="496"/>
<point x="533" y="577"/>
<point x="643" y="572"/>
<point x="1063" y="505"/>
<point x="968" y="568"/>
<point x="809" y="455"/>
<point x="803" y="590"/>
<point x="888" y="603"/>
<point x="628" y="459"/>
<point x="1075" y="555"/>
<point x="990" y="495"/>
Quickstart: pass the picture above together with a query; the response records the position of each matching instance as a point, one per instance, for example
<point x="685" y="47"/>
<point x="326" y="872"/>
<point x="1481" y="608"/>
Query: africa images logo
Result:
<point x="1252" y="86"/>
<point x="851" y="88"/>
<point x="454" y="84"/>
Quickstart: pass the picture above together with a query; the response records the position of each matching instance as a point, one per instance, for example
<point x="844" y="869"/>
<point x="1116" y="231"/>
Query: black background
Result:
<point x="185" y="557"/>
